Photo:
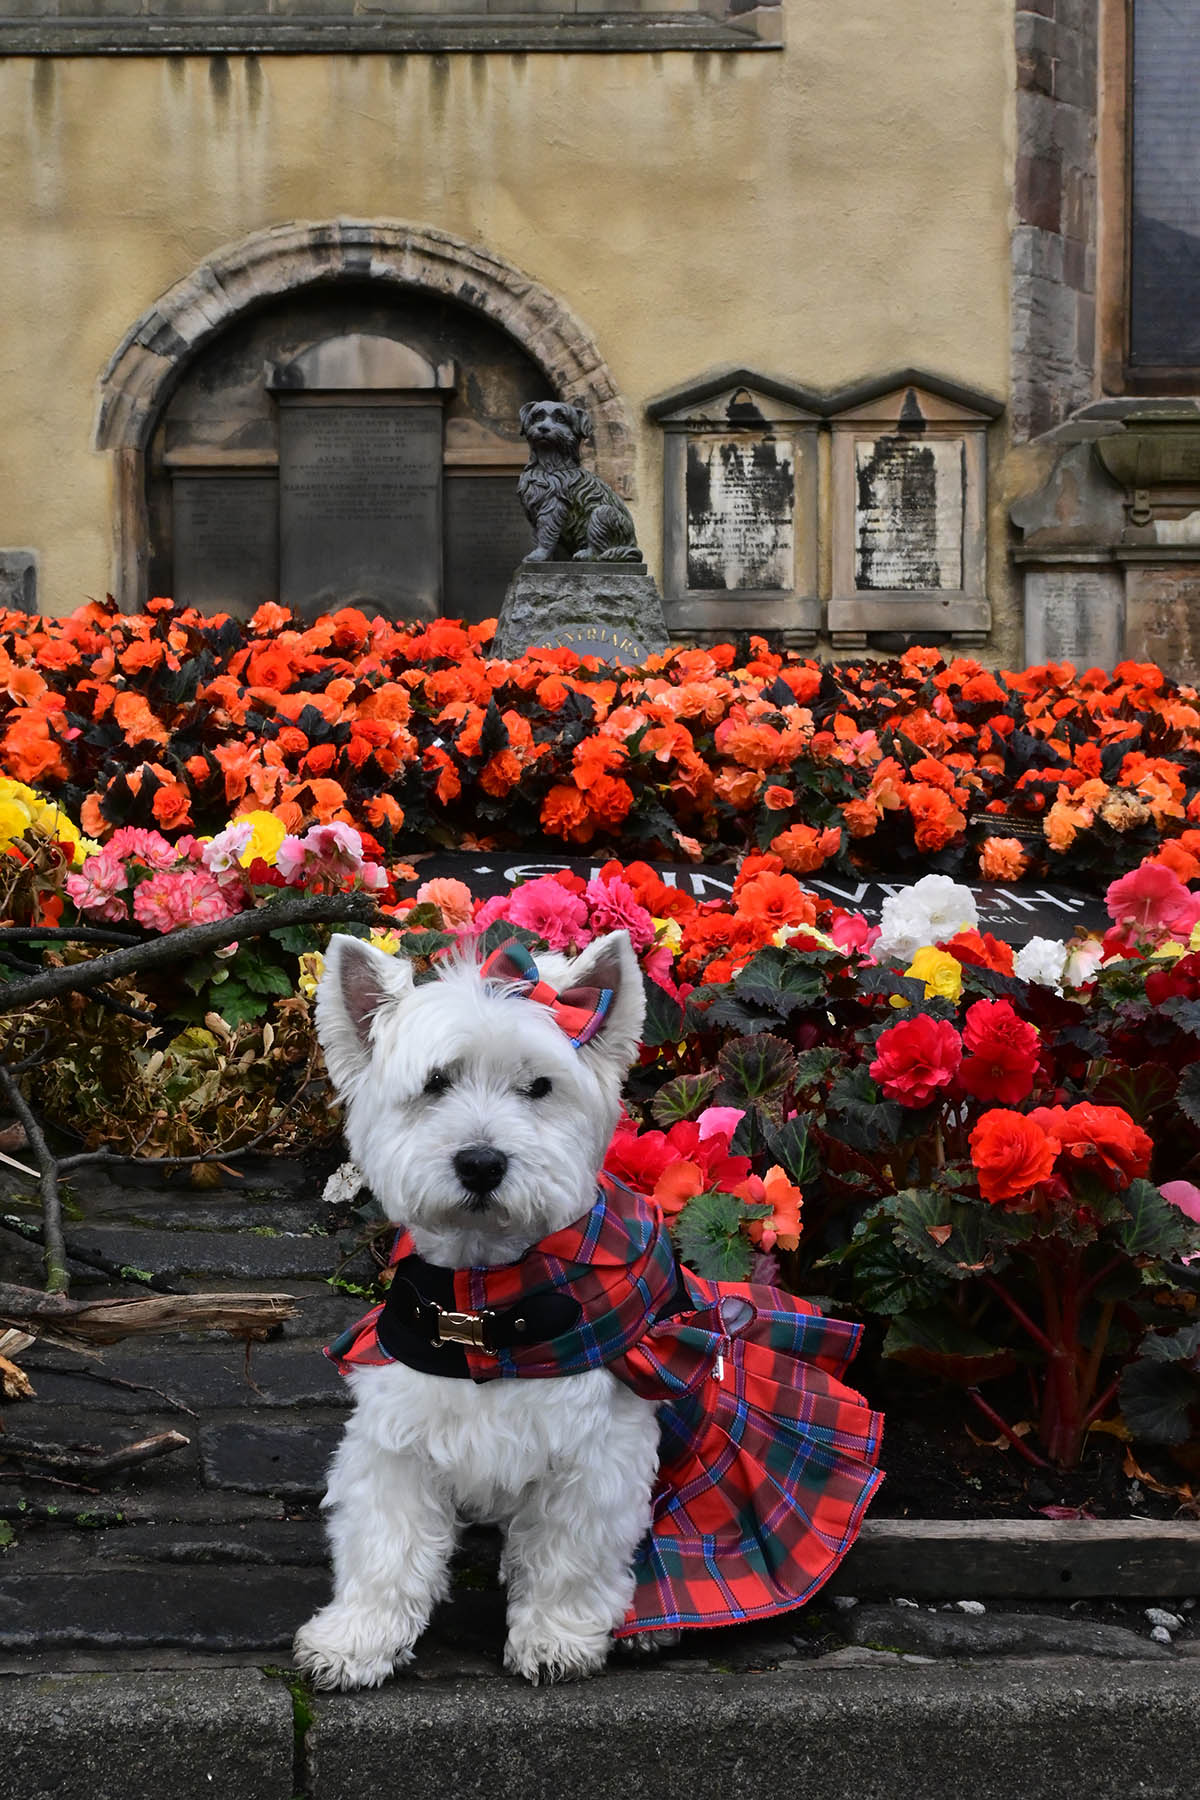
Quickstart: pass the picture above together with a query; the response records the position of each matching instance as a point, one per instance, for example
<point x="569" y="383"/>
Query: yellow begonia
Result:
<point x="939" y="971"/>
<point x="786" y="933"/>
<point x="387" y="941"/>
<point x="14" y="821"/>
<point x="312" y="967"/>
<point x="23" y="809"/>
<point x="668" y="932"/>
<point x="266" y="835"/>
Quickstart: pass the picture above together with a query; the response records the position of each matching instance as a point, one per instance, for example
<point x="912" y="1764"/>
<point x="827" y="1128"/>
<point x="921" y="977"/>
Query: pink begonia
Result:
<point x="850" y="931"/>
<point x="1183" y="1195"/>
<point x="1152" y="899"/>
<point x="149" y="847"/>
<point x="659" y="967"/>
<point x="489" y="912"/>
<point x="335" y="842"/>
<point x="333" y="850"/>
<point x="95" y="888"/>
<point x="553" y="911"/>
<point x="452" y="898"/>
<point x="720" y="1120"/>
<point x="174" y="897"/>
<point x="614" y="907"/>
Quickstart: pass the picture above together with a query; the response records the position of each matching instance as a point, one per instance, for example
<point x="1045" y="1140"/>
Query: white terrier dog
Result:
<point x="480" y="1127"/>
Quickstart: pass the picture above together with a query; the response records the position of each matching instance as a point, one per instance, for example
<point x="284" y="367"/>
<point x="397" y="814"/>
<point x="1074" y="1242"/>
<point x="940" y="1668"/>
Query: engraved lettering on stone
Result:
<point x="740" y="513"/>
<point x="1073" y="615"/>
<point x="360" y="507"/>
<point x="487" y="535"/>
<point x="908" y="515"/>
<point x="226" y="541"/>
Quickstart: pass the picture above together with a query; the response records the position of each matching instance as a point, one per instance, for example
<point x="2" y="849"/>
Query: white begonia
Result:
<point x="1041" y="960"/>
<point x="1083" y="959"/>
<point x="222" y="852"/>
<point x="929" y="912"/>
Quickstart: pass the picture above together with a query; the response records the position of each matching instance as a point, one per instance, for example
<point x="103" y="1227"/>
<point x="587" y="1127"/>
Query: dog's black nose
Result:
<point x="480" y="1168"/>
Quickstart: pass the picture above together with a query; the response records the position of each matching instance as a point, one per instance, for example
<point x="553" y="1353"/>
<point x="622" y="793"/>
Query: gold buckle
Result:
<point x="460" y="1328"/>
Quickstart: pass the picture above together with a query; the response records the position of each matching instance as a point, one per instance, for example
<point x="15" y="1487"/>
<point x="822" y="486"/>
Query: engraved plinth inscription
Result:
<point x="360" y="507"/>
<point x="486" y="536"/>
<point x="226" y="535"/>
<point x="740" y="513"/>
<point x="1163" y="607"/>
<point x="908" y="514"/>
<point x="1074" y="615"/>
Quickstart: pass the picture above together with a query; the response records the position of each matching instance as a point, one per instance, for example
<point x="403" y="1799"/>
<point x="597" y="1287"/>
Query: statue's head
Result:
<point x="554" y="425"/>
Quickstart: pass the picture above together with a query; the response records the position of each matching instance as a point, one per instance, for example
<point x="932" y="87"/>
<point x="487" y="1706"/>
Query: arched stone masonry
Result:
<point x="150" y="360"/>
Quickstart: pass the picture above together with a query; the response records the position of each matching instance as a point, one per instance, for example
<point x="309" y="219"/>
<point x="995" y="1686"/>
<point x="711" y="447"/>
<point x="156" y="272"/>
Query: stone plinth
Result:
<point x="609" y="610"/>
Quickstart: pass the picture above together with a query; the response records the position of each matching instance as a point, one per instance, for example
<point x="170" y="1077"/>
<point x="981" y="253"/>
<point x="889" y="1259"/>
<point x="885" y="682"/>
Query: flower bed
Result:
<point x="176" y="721"/>
<point x="989" y="1155"/>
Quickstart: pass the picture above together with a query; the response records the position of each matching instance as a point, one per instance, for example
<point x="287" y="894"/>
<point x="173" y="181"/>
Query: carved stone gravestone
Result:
<point x="908" y="512"/>
<point x="226" y="539"/>
<point x="740" y="507"/>
<point x="360" y="479"/>
<point x="18" y="580"/>
<point x="1074" y="612"/>
<point x="1162" y="603"/>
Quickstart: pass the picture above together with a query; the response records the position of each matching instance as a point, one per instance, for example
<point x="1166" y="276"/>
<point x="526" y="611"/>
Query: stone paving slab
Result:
<point x="289" y="1460"/>
<point x="950" y="1633"/>
<point x="199" y="1376"/>
<point x="218" y="1736"/>
<point x="201" y="1608"/>
<point x="896" y="1731"/>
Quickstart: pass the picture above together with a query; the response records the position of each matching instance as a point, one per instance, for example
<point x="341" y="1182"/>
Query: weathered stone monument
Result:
<point x="740" y="480"/>
<point x="584" y="583"/>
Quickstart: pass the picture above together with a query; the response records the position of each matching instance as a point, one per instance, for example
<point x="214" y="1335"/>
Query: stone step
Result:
<point x="195" y="1376"/>
<point x="236" y="1255"/>
<point x="290" y="1460"/>
<point x="199" y="1608"/>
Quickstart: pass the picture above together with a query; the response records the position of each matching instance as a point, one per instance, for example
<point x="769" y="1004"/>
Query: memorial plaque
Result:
<point x="908" y="515"/>
<point x="486" y="536"/>
<point x="1074" y="615"/>
<point x="226" y="541"/>
<point x="360" y="504"/>
<point x="740" y="513"/>
<point x="1163" y="617"/>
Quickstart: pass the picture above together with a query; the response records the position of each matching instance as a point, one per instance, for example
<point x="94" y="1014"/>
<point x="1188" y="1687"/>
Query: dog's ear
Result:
<point x="357" y="982"/>
<point x="525" y="412"/>
<point x="609" y="962"/>
<point x="583" y="422"/>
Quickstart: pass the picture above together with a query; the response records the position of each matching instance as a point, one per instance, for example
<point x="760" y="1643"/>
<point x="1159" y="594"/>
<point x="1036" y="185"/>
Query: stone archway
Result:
<point x="149" y="362"/>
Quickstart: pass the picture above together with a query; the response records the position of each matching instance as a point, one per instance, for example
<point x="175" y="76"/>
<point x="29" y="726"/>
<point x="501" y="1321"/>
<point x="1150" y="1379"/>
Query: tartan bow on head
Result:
<point x="578" y="1011"/>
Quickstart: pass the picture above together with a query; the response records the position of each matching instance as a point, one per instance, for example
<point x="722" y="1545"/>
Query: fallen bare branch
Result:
<point x="55" y="1250"/>
<point x="192" y="940"/>
<point x="89" y="1459"/>
<point x="73" y="1322"/>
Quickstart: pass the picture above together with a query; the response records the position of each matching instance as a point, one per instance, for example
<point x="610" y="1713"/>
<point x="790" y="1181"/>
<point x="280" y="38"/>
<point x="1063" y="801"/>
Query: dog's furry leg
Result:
<point x="547" y="523"/>
<point x="570" y="1549"/>
<point x="392" y="1529"/>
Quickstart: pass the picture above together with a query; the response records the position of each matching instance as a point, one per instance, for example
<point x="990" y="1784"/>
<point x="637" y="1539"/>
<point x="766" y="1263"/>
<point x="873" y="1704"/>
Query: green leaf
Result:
<point x="942" y="1345"/>
<point x="1157" y="1400"/>
<point x="664" y="1016"/>
<point x="812" y="1066"/>
<point x="236" y="1003"/>
<point x="790" y="1146"/>
<point x="1187" y="1095"/>
<point x="1154" y="1227"/>
<point x="958" y="1238"/>
<point x="297" y="940"/>
<point x="683" y="1097"/>
<point x="709" y="1234"/>
<point x="501" y="932"/>
<point x="265" y="978"/>
<point x="1141" y="1092"/>
<point x="781" y="980"/>
<point x="860" y="1118"/>
<point x="1171" y="1346"/>
<point x="883" y="1279"/>
<point x="424" y="943"/>
<point x="756" y="1071"/>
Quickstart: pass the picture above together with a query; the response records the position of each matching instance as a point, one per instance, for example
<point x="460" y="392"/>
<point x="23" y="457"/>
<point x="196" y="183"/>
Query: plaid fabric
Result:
<point x="578" y="1011"/>
<point x="767" y="1461"/>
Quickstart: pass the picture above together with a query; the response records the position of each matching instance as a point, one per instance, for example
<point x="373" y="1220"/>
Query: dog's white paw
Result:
<point x="344" y="1648"/>
<point x="544" y="1656"/>
<point x="648" y="1643"/>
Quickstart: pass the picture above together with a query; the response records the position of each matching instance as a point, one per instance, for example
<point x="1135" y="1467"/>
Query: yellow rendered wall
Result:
<point x="825" y="214"/>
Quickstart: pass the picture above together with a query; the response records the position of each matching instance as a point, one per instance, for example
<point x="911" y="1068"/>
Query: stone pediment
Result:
<point x="910" y="399"/>
<point x="729" y="398"/>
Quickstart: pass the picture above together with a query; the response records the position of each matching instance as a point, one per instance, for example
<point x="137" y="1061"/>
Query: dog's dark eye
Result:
<point x="539" y="1087"/>
<point x="437" y="1082"/>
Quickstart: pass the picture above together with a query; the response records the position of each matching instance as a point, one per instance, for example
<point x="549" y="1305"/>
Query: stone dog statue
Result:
<point x="573" y="513"/>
